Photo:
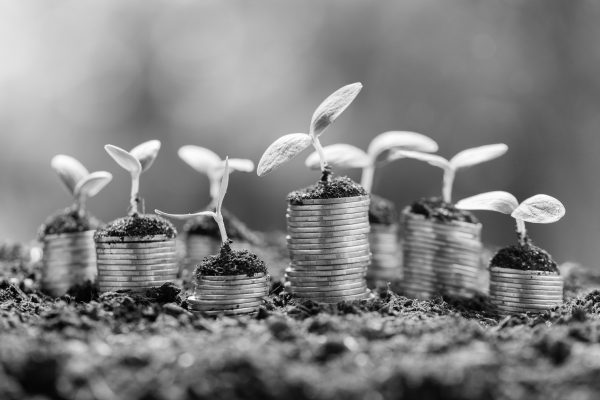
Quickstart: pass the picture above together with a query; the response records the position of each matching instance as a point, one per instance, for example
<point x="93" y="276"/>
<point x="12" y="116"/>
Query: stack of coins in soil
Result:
<point x="440" y="257"/>
<point x="386" y="254"/>
<point x="69" y="259"/>
<point x="229" y="295"/>
<point x="514" y="291"/>
<point x="328" y="243"/>
<point x="135" y="263"/>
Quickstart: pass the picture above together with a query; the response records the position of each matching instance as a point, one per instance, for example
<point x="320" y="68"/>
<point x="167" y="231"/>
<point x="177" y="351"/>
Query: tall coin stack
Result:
<point x="69" y="259"/>
<point x="515" y="291"/>
<point x="229" y="295"/>
<point x="440" y="257"/>
<point x="386" y="265"/>
<point x="328" y="243"/>
<point x="135" y="263"/>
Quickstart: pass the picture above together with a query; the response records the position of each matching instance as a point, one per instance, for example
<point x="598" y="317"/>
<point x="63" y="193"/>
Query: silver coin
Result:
<point x="529" y="305"/>
<point x="523" y="277"/>
<point x="305" y="212"/>
<point x="135" y="245"/>
<point x="329" y="234"/>
<point x="325" y="286"/>
<point x="299" y="232"/>
<point x="335" y="218"/>
<point x="198" y="301"/>
<point x="242" y="291"/>
<point x="337" y="299"/>
<point x="138" y="267"/>
<point x="328" y="246"/>
<point x="130" y="279"/>
<point x="527" y="299"/>
<point x="531" y="282"/>
<point x="328" y="257"/>
<point x="239" y="311"/>
<point x="242" y="277"/>
<point x="137" y="283"/>
<point x="524" y="309"/>
<point x="336" y="200"/>
<point x="136" y="252"/>
<point x="140" y="273"/>
<point x="316" y="294"/>
<point x="337" y="206"/>
<point x="324" y="281"/>
<point x="133" y="239"/>
<point x="325" y="240"/>
<point x="498" y="270"/>
<point x="525" y="290"/>
<point x="328" y="263"/>
<point x="337" y="250"/>
<point x="338" y="272"/>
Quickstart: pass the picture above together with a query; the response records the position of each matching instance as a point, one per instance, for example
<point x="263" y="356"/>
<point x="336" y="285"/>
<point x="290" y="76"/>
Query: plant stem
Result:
<point x="221" y="223"/>
<point x="447" y="184"/>
<point x="521" y="231"/>
<point x="321" y="152"/>
<point x="134" y="199"/>
<point x="80" y="206"/>
<point x="215" y="182"/>
<point x="366" y="180"/>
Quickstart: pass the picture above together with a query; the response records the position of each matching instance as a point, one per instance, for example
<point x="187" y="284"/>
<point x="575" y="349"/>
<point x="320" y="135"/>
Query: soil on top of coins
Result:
<point x="382" y="211"/>
<point x="435" y="208"/>
<point x="139" y="226"/>
<point x="333" y="187"/>
<point x="68" y="221"/>
<point x="205" y="225"/>
<point x="524" y="257"/>
<point x="231" y="262"/>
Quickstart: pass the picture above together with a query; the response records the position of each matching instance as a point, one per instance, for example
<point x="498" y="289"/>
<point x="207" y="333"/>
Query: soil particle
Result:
<point x="382" y="211"/>
<point x="435" y="208"/>
<point x="336" y="187"/>
<point x="139" y="226"/>
<point x="231" y="262"/>
<point x="68" y="221"/>
<point x="235" y="228"/>
<point x="524" y="257"/>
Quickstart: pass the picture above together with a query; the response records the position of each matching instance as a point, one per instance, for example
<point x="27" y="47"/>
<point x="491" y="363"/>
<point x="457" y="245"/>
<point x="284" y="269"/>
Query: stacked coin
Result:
<point x="229" y="295"/>
<point x="69" y="259"/>
<point x="135" y="263"/>
<point x="386" y="254"/>
<point x="514" y="291"/>
<point x="328" y="245"/>
<point x="440" y="257"/>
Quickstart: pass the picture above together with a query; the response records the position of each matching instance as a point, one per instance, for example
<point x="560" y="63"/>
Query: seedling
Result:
<point x="136" y="161"/>
<point x="217" y="214"/>
<point x="539" y="209"/>
<point x="348" y="156"/>
<point x="289" y="146"/>
<point x="80" y="183"/>
<point x="463" y="159"/>
<point x="207" y="162"/>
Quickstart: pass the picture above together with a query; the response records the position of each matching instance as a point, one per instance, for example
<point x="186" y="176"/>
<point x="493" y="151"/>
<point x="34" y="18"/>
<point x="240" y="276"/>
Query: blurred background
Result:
<point x="233" y="76"/>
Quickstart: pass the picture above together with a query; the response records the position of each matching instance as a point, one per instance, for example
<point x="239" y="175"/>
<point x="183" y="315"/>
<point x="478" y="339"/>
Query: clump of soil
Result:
<point x="206" y="226"/>
<point x="435" y="208"/>
<point x="138" y="225"/>
<point x="382" y="211"/>
<point x="231" y="262"/>
<point x="524" y="257"/>
<point x="336" y="187"/>
<point x="68" y="220"/>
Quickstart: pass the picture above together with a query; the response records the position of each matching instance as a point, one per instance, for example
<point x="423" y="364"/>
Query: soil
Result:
<point x="524" y="257"/>
<point x="333" y="187"/>
<point x="382" y="211"/>
<point x="68" y="221"/>
<point x="235" y="228"/>
<point x="435" y="208"/>
<point x="231" y="262"/>
<point x="138" y="225"/>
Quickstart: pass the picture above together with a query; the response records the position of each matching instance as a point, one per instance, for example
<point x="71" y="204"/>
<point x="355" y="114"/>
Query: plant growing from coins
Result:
<point x="289" y="146"/>
<point x="136" y="161"/>
<point x="463" y="159"/>
<point x="539" y="209"/>
<point x="346" y="156"/>
<point x="78" y="181"/>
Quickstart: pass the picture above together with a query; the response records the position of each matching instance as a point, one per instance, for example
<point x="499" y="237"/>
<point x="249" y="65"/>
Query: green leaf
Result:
<point x="282" y="150"/>
<point x="540" y="209"/>
<point x="432" y="159"/>
<point x="186" y="216"/>
<point x="146" y="153"/>
<point x="69" y="170"/>
<point x="499" y="201"/>
<point x="478" y="155"/>
<point x="401" y="140"/>
<point x="332" y="107"/>
<point x="92" y="184"/>
<point x="124" y="159"/>
<point x="240" y="164"/>
<point x="340" y="156"/>
<point x="199" y="158"/>
<point x="223" y="187"/>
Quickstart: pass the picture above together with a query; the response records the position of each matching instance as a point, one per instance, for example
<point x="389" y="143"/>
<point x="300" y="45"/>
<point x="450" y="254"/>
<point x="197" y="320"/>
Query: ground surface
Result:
<point x="119" y="346"/>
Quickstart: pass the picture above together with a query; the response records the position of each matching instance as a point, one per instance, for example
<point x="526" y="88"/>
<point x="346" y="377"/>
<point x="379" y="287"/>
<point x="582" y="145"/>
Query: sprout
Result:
<point x="210" y="164"/>
<point x="463" y="159"/>
<point x="539" y="209"/>
<point x="289" y="146"/>
<point x="136" y="161"/>
<point x="217" y="214"/>
<point x="79" y="182"/>
<point x="348" y="156"/>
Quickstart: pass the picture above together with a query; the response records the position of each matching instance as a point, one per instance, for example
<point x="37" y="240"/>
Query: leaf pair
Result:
<point x="77" y="179"/>
<point x="539" y="209"/>
<point x="138" y="160"/>
<point x="289" y="146"/>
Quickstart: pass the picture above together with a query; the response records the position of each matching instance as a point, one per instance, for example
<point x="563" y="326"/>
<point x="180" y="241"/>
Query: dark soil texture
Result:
<point x="236" y="229"/>
<point x="138" y="225"/>
<point x="435" y="208"/>
<point x="68" y="221"/>
<point x="382" y="211"/>
<point x="231" y="262"/>
<point x="524" y="257"/>
<point x="334" y="187"/>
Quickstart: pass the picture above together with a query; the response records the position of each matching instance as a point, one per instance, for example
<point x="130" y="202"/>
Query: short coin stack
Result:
<point x="135" y="263"/>
<point x="229" y="295"/>
<point x="440" y="257"/>
<point x="69" y="259"/>
<point x="328" y="245"/>
<point x="386" y="262"/>
<point x="514" y="291"/>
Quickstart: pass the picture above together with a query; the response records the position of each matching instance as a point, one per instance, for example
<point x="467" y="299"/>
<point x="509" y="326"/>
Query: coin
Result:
<point x="327" y="292"/>
<point x="307" y="212"/>
<point x="335" y="218"/>
<point x="137" y="252"/>
<point x="134" y="239"/>
<point x="298" y="231"/>
<point x="332" y="272"/>
<point x="328" y="234"/>
<point x="240" y="291"/>
<point x="326" y="246"/>
<point x="339" y="286"/>
<point x="325" y="240"/>
<point x="324" y="206"/>
<point x="331" y="264"/>
<point x="336" y="200"/>
<point x="136" y="245"/>
<point x="527" y="278"/>
<point x="526" y="299"/>
<point x="337" y="299"/>
<point x="140" y="273"/>
<point x="544" y="282"/>
<point x="522" y="272"/>
<point x="125" y="267"/>
<point x="131" y="279"/>
<point x="525" y="289"/>
<point x="239" y="311"/>
<point x="337" y="250"/>
<point x="329" y="257"/>
<point x="231" y="302"/>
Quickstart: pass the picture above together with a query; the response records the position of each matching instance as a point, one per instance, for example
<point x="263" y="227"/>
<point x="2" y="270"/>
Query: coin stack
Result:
<point x="514" y="291"/>
<point x="386" y="254"/>
<point x="135" y="263"/>
<point x="229" y="295"/>
<point x="69" y="259"/>
<point x="328" y="245"/>
<point x="440" y="257"/>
